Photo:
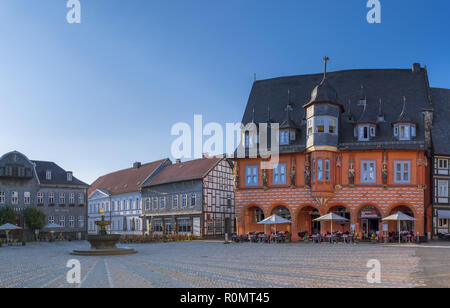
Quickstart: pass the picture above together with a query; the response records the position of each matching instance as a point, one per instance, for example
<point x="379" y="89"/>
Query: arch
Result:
<point x="256" y="213"/>
<point x="369" y="218"/>
<point x="408" y="226"/>
<point x="342" y="211"/>
<point x="404" y="208"/>
<point x="282" y="211"/>
<point x="246" y="222"/>
<point x="305" y="220"/>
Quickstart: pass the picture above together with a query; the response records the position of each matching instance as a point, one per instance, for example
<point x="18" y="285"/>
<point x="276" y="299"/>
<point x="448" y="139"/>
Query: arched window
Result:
<point x="258" y="214"/>
<point x="282" y="211"/>
<point x="341" y="211"/>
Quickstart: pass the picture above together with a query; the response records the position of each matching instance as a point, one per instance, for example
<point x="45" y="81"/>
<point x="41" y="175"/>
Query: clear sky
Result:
<point x="95" y="97"/>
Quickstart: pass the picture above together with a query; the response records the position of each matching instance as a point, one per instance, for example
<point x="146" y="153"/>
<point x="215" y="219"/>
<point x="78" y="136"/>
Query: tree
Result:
<point x="34" y="218"/>
<point x="8" y="215"/>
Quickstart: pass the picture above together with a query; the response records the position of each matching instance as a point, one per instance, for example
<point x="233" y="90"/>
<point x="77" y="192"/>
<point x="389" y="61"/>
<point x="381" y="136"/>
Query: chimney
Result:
<point x="428" y="121"/>
<point x="137" y="165"/>
<point x="416" y="68"/>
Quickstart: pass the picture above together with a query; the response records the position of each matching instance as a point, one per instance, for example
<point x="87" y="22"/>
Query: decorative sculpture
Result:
<point x="351" y="174"/>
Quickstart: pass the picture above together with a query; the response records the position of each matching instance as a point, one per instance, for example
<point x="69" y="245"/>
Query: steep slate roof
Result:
<point x="127" y="180"/>
<point x="59" y="175"/>
<point x="441" y="131"/>
<point x="389" y="85"/>
<point x="183" y="171"/>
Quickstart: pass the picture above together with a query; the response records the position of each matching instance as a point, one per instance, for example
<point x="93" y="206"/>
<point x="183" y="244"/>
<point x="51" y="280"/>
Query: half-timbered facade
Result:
<point x="441" y="161"/>
<point x="194" y="197"/>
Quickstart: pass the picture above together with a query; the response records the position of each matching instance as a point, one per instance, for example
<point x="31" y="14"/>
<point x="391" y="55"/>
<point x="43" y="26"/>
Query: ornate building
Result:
<point x="354" y="142"/>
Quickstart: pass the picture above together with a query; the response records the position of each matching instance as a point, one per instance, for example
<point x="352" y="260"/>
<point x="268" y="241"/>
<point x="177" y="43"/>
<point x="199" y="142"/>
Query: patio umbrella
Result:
<point x="7" y="228"/>
<point x="398" y="218"/>
<point x="52" y="226"/>
<point x="274" y="220"/>
<point x="332" y="217"/>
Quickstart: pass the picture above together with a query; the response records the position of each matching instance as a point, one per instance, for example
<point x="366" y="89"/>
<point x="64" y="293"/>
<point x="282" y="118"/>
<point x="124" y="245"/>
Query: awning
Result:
<point x="443" y="214"/>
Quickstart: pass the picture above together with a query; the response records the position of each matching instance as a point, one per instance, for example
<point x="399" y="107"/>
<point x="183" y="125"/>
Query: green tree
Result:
<point x="34" y="218"/>
<point x="8" y="215"/>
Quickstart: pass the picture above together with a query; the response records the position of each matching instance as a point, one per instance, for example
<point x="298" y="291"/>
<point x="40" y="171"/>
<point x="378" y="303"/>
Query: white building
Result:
<point x="118" y="195"/>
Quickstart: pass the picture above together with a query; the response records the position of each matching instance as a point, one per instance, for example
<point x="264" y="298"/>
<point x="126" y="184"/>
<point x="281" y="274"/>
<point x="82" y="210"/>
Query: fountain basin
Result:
<point x="103" y="244"/>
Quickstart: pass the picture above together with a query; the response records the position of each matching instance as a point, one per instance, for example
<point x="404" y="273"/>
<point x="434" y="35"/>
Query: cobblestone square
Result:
<point x="206" y="264"/>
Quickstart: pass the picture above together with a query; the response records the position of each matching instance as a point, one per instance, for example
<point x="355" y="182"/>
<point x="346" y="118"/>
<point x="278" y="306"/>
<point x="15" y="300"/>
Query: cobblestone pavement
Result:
<point x="212" y="264"/>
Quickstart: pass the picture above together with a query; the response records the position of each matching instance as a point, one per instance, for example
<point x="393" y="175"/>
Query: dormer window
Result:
<point x="323" y="124"/>
<point x="48" y="175"/>
<point x="404" y="131"/>
<point x="365" y="132"/>
<point x="69" y="176"/>
<point x="250" y="139"/>
<point x="284" y="137"/>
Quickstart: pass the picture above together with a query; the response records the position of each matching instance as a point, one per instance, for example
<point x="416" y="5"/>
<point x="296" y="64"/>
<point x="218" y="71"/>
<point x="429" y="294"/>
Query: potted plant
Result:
<point x="288" y="237"/>
<point x="373" y="238"/>
<point x="24" y="240"/>
<point x="306" y="238"/>
<point x="356" y="238"/>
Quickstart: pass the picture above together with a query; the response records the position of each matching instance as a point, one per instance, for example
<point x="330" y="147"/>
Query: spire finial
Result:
<point x="325" y="60"/>
<point x="268" y="113"/>
<point x="404" y="105"/>
<point x="253" y="114"/>
<point x="254" y="77"/>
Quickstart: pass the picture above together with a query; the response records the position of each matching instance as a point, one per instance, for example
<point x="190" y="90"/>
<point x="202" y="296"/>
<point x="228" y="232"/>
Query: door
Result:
<point x="196" y="226"/>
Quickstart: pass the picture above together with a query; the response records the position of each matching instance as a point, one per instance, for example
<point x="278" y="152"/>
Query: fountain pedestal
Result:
<point x="103" y="244"/>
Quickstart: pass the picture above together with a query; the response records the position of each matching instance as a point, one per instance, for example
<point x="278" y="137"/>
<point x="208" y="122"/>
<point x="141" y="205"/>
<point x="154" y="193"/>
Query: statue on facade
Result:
<point x="264" y="176"/>
<point x="292" y="175"/>
<point x="307" y="177"/>
<point x="236" y="176"/>
<point x="384" y="174"/>
<point x="236" y="180"/>
<point x="351" y="175"/>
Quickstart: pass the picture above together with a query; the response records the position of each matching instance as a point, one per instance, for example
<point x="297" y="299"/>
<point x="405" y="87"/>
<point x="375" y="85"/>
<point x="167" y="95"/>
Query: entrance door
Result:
<point x="374" y="226"/>
<point x="196" y="226"/>
<point x="365" y="227"/>
<point x="315" y="225"/>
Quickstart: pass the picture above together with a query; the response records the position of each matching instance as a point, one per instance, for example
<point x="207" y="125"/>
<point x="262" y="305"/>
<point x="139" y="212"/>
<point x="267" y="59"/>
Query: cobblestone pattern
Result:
<point x="212" y="264"/>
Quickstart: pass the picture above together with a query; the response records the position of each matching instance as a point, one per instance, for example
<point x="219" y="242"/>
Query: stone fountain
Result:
<point x="103" y="244"/>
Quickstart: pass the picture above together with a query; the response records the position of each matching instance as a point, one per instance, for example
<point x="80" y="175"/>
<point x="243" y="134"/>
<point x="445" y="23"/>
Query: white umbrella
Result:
<point x="398" y="218"/>
<point x="7" y="228"/>
<point x="332" y="217"/>
<point x="274" y="220"/>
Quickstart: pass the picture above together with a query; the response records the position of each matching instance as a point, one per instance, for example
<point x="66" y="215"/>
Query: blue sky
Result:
<point x="97" y="96"/>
